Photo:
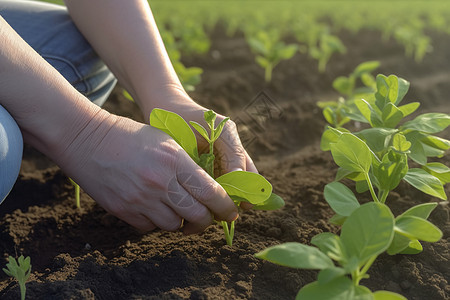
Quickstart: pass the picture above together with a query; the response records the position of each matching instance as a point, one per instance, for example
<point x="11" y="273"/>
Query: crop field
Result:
<point x="364" y="177"/>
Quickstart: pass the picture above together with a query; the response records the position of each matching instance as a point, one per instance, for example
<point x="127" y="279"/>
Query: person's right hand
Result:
<point x="143" y="177"/>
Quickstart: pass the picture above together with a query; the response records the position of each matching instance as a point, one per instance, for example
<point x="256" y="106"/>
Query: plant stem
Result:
<point x="211" y="166"/>
<point x="228" y="235"/>
<point x="384" y="196"/>
<point x="372" y="191"/>
<point x="268" y="73"/>
<point x="77" y="195"/>
<point x="22" y="290"/>
<point x="365" y="268"/>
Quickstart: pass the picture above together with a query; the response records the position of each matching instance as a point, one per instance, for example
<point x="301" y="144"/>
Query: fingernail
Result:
<point x="236" y="169"/>
<point x="233" y="216"/>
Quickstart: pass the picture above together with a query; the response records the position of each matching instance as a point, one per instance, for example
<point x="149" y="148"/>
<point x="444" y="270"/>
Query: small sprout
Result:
<point x="77" y="192"/>
<point x="21" y="270"/>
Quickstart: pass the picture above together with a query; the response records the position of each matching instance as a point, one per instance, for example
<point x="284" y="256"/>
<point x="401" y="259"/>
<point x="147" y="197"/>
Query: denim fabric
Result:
<point x="11" y="148"/>
<point x="50" y="31"/>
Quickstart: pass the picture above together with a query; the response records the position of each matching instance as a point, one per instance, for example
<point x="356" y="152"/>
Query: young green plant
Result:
<point x="20" y="270"/>
<point x="241" y="186"/>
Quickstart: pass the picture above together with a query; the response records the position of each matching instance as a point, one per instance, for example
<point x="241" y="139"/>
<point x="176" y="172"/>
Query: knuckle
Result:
<point x="200" y="215"/>
<point x="207" y="192"/>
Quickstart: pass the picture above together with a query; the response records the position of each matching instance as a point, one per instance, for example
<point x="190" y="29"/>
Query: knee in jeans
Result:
<point x="11" y="148"/>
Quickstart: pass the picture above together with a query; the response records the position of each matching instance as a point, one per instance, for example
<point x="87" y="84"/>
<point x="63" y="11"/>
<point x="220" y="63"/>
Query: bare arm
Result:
<point x="124" y="165"/>
<point x="125" y="36"/>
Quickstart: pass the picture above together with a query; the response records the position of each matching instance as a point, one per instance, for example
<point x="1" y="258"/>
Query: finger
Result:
<point x="249" y="163"/>
<point x="206" y="190"/>
<point x="232" y="153"/>
<point x="164" y="217"/>
<point x="185" y="205"/>
<point x="141" y="222"/>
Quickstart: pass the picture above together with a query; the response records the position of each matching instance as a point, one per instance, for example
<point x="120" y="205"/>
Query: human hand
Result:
<point x="143" y="177"/>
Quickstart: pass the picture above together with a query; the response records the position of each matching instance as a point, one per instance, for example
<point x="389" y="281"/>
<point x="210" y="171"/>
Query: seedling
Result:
<point x="367" y="232"/>
<point x="338" y="113"/>
<point x="241" y="186"/>
<point x="270" y="50"/>
<point x="328" y="45"/>
<point x="20" y="270"/>
<point x="377" y="160"/>
<point x="77" y="192"/>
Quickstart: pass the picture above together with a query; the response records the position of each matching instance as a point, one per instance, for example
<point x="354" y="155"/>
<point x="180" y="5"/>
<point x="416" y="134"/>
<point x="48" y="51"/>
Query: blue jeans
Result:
<point x="49" y="30"/>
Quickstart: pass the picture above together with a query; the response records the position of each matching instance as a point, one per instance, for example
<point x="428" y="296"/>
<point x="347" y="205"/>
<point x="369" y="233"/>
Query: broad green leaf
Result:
<point x="340" y="198"/>
<point x="340" y="288"/>
<point x="296" y="255"/>
<point x="438" y="170"/>
<point x="177" y="128"/>
<point x="436" y="142"/>
<point x="398" y="244"/>
<point x="425" y="182"/>
<point x="343" y="173"/>
<point x="329" y="136"/>
<point x="391" y="116"/>
<point x="414" y="247"/>
<point x="329" y="244"/>
<point x="428" y="123"/>
<point x="250" y="186"/>
<point x="387" y="295"/>
<point x="288" y="51"/>
<point x="366" y="67"/>
<point x="262" y="61"/>
<point x="431" y="151"/>
<point x="219" y="128"/>
<point x="409" y="108"/>
<point x="337" y="219"/>
<point x="422" y="210"/>
<point x="329" y="115"/>
<point x="343" y="85"/>
<point x="417" y="153"/>
<point x="351" y="153"/>
<point x="368" y="231"/>
<point x="272" y="203"/>
<point x="369" y="113"/>
<point x="377" y="139"/>
<point x="400" y="143"/>
<point x="200" y="130"/>
<point x="417" y="228"/>
<point x="391" y="171"/>
<point x="329" y="274"/>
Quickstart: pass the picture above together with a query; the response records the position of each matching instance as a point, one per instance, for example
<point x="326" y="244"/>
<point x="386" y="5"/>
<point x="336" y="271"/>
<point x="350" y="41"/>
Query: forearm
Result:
<point x="125" y="36"/>
<point x="48" y="110"/>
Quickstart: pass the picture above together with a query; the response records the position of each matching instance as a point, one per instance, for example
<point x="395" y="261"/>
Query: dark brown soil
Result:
<point x="88" y="254"/>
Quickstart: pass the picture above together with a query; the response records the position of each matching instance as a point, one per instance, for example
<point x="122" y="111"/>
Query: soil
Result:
<point x="88" y="254"/>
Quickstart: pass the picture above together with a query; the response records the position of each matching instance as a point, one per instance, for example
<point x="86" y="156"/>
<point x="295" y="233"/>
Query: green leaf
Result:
<point x="219" y="128"/>
<point x="343" y="85"/>
<point x="436" y="142"/>
<point x="391" y="171"/>
<point x="368" y="231"/>
<point x="387" y="295"/>
<point x="425" y="182"/>
<point x="177" y="128"/>
<point x="288" y="51"/>
<point x="337" y="219"/>
<point x="366" y="67"/>
<point x="400" y="143"/>
<point x="377" y="139"/>
<point x="422" y="210"/>
<point x="351" y="153"/>
<point x="200" y="130"/>
<point x="391" y="115"/>
<point x="438" y="170"/>
<point x="417" y="228"/>
<point x="329" y="136"/>
<point x="329" y="244"/>
<point x="409" y="108"/>
<point x="340" y="198"/>
<point x="296" y="255"/>
<point x="414" y="247"/>
<point x="248" y="185"/>
<point x="329" y="274"/>
<point x="428" y="123"/>
<point x="369" y="113"/>
<point x="398" y="244"/>
<point x="329" y="115"/>
<point x="272" y="203"/>
<point x="210" y="118"/>
<point x="340" y="288"/>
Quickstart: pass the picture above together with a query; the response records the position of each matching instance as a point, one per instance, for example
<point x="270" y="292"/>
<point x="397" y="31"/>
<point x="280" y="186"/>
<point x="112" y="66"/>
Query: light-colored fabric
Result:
<point x="11" y="149"/>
